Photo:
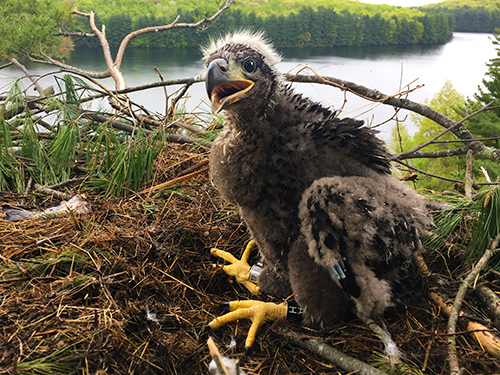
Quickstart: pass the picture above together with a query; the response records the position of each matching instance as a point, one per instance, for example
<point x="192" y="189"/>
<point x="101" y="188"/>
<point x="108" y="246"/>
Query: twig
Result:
<point x="430" y="174"/>
<point x="48" y="191"/>
<point x="131" y="129"/>
<point x="164" y="89"/>
<point x="28" y="74"/>
<point x="173" y="181"/>
<point x="457" y="305"/>
<point x="431" y="154"/>
<point x="37" y="279"/>
<point x="114" y="65"/>
<point x="468" y="176"/>
<point x="68" y="182"/>
<point x="404" y="155"/>
<point x="336" y="357"/>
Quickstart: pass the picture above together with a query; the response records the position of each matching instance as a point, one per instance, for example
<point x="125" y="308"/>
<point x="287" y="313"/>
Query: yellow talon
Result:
<point x="257" y="311"/>
<point x="239" y="268"/>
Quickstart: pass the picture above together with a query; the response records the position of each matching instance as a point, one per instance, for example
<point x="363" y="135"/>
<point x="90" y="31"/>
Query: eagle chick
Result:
<point x="315" y="190"/>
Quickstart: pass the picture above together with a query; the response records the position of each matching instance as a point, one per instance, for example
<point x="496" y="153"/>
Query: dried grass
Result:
<point x="130" y="288"/>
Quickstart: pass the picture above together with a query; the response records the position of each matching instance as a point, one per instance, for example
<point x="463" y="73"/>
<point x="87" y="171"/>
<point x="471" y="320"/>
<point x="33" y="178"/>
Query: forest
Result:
<point x="296" y="24"/>
<point x="323" y="27"/>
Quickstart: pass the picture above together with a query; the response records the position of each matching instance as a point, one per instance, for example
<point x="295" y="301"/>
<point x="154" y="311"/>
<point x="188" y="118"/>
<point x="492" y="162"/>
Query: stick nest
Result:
<point x="131" y="286"/>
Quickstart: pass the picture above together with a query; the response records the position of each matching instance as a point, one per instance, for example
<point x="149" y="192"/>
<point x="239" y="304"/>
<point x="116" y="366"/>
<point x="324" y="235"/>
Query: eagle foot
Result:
<point x="239" y="268"/>
<point x="257" y="311"/>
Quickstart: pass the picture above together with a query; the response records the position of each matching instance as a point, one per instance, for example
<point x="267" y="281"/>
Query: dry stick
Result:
<point x="475" y="184"/>
<point x="164" y="89"/>
<point x="457" y="305"/>
<point x="491" y="302"/>
<point x="28" y="74"/>
<point x="465" y="140"/>
<point x="178" y="123"/>
<point x="174" y="181"/>
<point x="433" y="154"/>
<point x="468" y="176"/>
<point x="47" y="191"/>
<point x="429" y="174"/>
<point x="336" y="357"/>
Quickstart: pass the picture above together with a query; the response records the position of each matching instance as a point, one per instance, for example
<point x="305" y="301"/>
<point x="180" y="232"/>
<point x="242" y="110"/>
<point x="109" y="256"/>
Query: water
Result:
<point x="385" y="68"/>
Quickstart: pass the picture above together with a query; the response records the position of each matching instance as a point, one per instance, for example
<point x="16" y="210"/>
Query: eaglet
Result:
<point x="334" y="228"/>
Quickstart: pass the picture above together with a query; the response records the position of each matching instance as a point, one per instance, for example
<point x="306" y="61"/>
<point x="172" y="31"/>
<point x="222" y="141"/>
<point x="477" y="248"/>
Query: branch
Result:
<point x="460" y="131"/>
<point x="72" y="69"/>
<point x="173" y="25"/>
<point x="98" y="117"/>
<point x="78" y="34"/>
<point x="113" y="68"/>
<point x="28" y="74"/>
<point x="404" y="155"/>
<point x="457" y="305"/>
<point x="345" y="362"/>
<point x="432" y="154"/>
<point x="434" y="175"/>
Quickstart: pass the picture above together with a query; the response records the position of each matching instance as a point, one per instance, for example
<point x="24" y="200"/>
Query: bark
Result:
<point x="491" y="302"/>
<point x="345" y="362"/>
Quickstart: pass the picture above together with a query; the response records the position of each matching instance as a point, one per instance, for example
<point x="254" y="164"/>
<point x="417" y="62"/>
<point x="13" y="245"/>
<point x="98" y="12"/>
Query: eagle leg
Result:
<point x="257" y="311"/>
<point x="239" y="268"/>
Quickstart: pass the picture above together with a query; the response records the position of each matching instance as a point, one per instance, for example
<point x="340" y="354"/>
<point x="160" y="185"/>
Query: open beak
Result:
<point x="223" y="87"/>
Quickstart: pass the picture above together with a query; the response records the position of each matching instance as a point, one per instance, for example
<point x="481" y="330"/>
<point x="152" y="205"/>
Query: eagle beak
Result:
<point x="223" y="87"/>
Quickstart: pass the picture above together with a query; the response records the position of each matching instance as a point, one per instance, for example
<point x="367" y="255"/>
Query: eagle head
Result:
<point x="240" y="70"/>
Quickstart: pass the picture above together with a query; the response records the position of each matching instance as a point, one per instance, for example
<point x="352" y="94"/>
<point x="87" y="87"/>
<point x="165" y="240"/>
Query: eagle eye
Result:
<point x="249" y="66"/>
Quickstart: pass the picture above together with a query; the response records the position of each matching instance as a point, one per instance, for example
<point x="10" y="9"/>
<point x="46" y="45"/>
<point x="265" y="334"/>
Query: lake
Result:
<point x="385" y="68"/>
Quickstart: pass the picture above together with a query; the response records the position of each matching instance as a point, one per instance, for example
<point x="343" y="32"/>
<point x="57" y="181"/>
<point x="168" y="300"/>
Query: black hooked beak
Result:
<point x="224" y="87"/>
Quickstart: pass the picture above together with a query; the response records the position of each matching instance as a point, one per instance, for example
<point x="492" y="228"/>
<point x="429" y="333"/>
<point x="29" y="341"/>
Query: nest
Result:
<point x="131" y="286"/>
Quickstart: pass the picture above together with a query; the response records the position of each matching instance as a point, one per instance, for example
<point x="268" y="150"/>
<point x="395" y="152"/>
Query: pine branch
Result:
<point x="78" y="34"/>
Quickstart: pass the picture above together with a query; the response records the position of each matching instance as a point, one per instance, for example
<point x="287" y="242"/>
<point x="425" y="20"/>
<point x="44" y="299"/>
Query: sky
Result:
<point x="407" y="3"/>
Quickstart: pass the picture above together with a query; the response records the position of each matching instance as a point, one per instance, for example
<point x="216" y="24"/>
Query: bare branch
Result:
<point x="114" y="66"/>
<point x="173" y="25"/>
<point x="433" y="154"/>
<point x="345" y="362"/>
<point x="404" y="155"/>
<point x="28" y="74"/>
<point x="469" y="140"/>
<point x="457" y="305"/>
<point x="72" y="69"/>
<point x="113" y="69"/>
<point x="433" y="175"/>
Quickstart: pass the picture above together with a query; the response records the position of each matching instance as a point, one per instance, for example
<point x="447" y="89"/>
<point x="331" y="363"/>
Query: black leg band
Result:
<point x="293" y="311"/>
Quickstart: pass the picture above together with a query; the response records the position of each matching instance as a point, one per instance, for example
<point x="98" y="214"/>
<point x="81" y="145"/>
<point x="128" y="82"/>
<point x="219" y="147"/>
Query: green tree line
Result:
<point x="471" y="19"/>
<point x="323" y="27"/>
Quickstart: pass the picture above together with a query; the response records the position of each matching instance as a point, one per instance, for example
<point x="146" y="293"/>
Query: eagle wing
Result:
<point x="363" y="230"/>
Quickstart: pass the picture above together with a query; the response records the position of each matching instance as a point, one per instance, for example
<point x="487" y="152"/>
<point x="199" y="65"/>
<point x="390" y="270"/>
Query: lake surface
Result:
<point x="385" y="68"/>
